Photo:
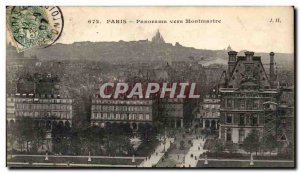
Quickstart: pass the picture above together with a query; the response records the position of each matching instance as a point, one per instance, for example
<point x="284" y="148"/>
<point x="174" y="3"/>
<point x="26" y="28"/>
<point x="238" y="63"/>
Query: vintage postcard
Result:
<point x="145" y="87"/>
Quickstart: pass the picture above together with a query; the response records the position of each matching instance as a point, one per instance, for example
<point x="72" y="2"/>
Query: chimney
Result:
<point x="272" y="72"/>
<point x="231" y="61"/>
<point x="249" y="55"/>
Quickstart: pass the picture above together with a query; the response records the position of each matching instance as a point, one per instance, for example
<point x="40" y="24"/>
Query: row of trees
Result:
<point x="112" y="140"/>
<point x="253" y="143"/>
<point x="28" y="135"/>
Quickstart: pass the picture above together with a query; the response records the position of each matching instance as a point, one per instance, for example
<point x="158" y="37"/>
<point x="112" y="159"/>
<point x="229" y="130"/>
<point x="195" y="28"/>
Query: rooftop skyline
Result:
<point x="241" y="28"/>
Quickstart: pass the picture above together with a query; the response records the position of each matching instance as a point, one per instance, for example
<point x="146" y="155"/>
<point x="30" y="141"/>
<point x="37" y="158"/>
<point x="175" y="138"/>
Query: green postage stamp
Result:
<point x="34" y="26"/>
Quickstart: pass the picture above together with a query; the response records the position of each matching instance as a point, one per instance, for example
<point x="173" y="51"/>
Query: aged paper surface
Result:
<point x="140" y="87"/>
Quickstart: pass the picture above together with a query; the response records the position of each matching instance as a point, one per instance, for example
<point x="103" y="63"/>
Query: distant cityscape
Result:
<point x="55" y="116"/>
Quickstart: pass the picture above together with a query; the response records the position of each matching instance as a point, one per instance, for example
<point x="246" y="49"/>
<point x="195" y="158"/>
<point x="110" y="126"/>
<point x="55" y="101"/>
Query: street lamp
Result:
<point x="205" y="161"/>
<point x="89" y="159"/>
<point x="251" y="161"/>
<point x="46" y="157"/>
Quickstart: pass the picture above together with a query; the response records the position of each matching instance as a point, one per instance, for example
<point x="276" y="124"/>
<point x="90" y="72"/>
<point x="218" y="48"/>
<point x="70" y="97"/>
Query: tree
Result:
<point x="39" y="135"/>
<point x="218" y="148"/>
<point x="146" y="132"/>
<point x="181" y="145"/>
<point x="269" y="143"/>
<point x="251" y="142"/>
<point x="60" y="138"/>
<point x="27" y="132"/>
<point x="26" y="129"/>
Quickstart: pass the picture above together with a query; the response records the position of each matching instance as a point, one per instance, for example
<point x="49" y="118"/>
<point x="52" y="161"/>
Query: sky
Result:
<point x="241" y="27"/>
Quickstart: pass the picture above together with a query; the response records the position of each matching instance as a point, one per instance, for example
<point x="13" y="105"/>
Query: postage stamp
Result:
<point x="151" y="87"/>
<point x="34" y="26"/>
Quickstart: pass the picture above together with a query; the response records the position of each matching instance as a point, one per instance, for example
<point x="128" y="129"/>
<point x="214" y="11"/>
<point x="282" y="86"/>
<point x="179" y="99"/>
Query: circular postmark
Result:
<point x="36" y="26"/>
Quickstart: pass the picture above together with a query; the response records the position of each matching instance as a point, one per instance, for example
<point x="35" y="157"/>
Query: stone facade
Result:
<point x="46" y="110"/>
<point x="126" y="111"/>
<point x="209" y="112"/>
<point x="247" y="98"/>
<point x="172" y="110"/>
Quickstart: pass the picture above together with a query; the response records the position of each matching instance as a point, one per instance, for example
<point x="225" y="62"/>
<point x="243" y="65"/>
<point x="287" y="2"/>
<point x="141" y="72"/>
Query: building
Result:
<point x="158" y="39"/>
<point x="45" y="110"/>
<point x="171" y="111"/>
<point x="126" y="111"/>
<point x="248" y="98"/>
<point x="209" y="112"/>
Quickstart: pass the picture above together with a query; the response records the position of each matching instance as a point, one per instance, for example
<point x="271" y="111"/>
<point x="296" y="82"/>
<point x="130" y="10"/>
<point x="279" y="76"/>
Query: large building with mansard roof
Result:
<point x="248" y="98"/>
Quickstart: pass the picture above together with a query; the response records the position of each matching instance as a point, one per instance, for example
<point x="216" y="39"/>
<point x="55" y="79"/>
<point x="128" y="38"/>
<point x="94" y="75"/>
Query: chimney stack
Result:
<point x="231" y="61"/>
<point x="249" y="55"/>
<point x="272" y="71"/>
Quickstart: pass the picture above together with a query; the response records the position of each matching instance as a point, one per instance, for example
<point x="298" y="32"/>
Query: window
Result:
<point x="105" y="116"/>
<point x="147" y="117"/>
<point x="254" y="120"/>
<point x="134" y="117"/>
<point x="241" y="135"/>
<point x="141" y="117"/>
<point x="147" y="108"/>
<point x="249" y="104"/>
<point x="228" y="135"/>
<point x="229" y="103"/>
<point x="242" y="119"/>
<point x="255" y="104"/>
<point x="229" y="118"/>
<point x="242" y="104"/>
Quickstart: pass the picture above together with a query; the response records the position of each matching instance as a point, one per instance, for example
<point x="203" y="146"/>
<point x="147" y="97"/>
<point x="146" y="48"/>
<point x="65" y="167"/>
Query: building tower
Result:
<point x="231" y="61"/>
<point x="272" y="71"/>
